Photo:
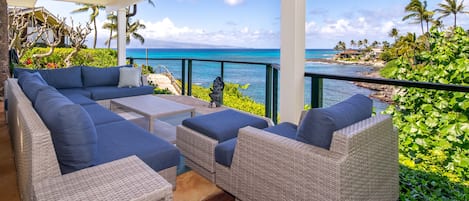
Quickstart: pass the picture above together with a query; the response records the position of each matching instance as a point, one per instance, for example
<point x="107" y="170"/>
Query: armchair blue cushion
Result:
<point x="72" y="131"/>
<point x="94" y="76"/>
<point x="319" y="124"/>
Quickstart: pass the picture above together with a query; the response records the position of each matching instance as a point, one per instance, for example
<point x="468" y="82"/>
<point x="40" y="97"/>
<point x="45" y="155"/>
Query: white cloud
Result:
<point x="234" y="2"/>
<point x="387" y="26"/>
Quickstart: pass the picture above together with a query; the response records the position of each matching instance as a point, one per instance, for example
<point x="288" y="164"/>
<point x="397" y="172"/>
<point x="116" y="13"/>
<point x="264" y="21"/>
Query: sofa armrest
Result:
<point x="125" y="179"/>
<point x="267" y="166"/>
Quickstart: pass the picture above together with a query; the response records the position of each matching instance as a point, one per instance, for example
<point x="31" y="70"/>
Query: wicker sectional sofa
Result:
<point x="128" y="163"/>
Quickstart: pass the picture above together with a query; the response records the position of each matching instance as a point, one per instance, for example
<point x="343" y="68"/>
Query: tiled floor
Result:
<point x="189" y="186"/>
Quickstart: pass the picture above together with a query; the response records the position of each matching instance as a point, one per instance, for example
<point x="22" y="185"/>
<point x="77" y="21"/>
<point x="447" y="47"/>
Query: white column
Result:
<point x="121" y="26"/>
<point x="292" y="59"/>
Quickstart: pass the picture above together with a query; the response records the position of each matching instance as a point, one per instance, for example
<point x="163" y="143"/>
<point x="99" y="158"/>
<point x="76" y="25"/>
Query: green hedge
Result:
<point x="89" y="57"/>
<point x="434" y="124"/>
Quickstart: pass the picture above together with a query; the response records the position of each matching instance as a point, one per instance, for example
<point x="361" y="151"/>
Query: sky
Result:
<point x="255" y="23"/>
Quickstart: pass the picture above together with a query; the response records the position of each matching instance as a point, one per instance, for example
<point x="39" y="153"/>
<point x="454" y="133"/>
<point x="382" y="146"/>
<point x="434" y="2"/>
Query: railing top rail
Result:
<point x="404" y="83"/>
<point x="209" y="60"/>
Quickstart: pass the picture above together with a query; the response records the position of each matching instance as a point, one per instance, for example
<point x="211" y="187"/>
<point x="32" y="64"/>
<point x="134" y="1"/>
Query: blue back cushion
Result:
<point x="63" y="77"/>
<point x="31" y="83"/>
<point x="59" y="78"/>
<point x="319" y="124"/>
<point x="72" y="130"/>
<point x="94" y="76"/>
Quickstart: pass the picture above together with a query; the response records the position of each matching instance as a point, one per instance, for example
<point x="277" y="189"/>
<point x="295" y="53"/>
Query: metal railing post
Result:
<point x="131" y="61"/>
<point x="183" y="77"/>
<point x="222" y="75"/>
<point x="268" y="91"/>
<point x="189" y="78"/>
<point x="316" y="92"/>
<point x="275" y="96"/>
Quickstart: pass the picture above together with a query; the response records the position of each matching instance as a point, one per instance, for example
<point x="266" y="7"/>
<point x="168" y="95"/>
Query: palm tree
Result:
<point x="416" y="10"/>
<point x="112" y="26"/>
<point x="428" y="17"/>
<point x="132" y="29"/>
<point x="360" y="43"/>
<point x="394" y="33"/>
<point x="340" y="46"/>
<point x="94" y="13"/>
<point x="451" y="7"/>
<point x="352" y="43"/>
<point x="365" y="42"/>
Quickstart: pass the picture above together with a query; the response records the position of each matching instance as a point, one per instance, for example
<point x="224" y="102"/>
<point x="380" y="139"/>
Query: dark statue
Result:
<point x="217" y="92"/>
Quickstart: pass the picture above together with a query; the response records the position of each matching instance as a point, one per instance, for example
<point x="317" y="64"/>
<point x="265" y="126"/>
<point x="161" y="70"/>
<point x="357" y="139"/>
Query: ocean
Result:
<point x="205" y="72"/>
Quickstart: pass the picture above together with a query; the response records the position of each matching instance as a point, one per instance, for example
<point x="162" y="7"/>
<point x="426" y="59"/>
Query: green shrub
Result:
<point x="389" y="70"/>
<point x="232" y="97"/>
<point x="89" y="57"/>
<point x="434" y="124"/>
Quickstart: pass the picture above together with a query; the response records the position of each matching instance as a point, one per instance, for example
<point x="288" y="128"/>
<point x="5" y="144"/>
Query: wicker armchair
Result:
<point x="362" y="164"/>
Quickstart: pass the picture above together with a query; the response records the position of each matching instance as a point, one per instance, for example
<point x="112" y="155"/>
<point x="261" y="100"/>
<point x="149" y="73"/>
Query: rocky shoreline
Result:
<point x="382" y="92"/>
<point x="377" y="64"/>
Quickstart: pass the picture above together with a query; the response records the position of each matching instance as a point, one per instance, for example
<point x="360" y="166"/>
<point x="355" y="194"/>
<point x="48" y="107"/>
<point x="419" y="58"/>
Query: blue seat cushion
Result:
<point x="122" y="139"/>
<point x="79" y="99"/>
<point x="31" y="83"/>
<point x="71" y="91"/>
<point x="63" y="78"/>
<point x="285" y="129"/>
<point x="109" y="92"/>
<point x="319" y="124"/>
<point x="223" y="125"/>
<point x="72" y="131"/>
<point x="224" y="151"/>
<point x="94" y="76"/>
<point x="101" y="115"/>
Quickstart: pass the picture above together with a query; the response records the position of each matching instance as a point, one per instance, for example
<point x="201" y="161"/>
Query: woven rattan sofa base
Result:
<point x="110" y="181"/>
<point x="198" y="149"/>
<point x="362" y="164"/>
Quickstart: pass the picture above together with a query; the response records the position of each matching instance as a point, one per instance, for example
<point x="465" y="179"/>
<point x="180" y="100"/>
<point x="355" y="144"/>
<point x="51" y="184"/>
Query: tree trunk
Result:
<point x="454" y="20"/>
<point x="4" y="65"/>
<point x="95" y="34"/>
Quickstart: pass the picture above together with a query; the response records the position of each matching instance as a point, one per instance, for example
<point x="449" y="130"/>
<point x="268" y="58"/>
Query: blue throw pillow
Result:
<point x="72" y="130"/>
<point x="319" y="124"/>
<point x="31" y="83"/>
<point x="18" y="71"/>
<point x="94" y="76"/>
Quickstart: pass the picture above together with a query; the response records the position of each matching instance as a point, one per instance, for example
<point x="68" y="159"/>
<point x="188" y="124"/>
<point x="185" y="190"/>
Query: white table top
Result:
<point x="153" y="106"/>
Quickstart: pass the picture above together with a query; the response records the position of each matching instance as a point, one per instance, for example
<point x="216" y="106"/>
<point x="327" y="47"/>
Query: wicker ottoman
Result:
<point x="197" y="137"/>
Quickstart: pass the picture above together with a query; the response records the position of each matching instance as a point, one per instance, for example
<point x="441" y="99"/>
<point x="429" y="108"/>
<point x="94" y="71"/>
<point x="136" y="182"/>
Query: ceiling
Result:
<point x="110" y="4"/>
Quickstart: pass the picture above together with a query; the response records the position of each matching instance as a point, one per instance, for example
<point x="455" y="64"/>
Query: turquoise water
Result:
<point x="205" y="72"/>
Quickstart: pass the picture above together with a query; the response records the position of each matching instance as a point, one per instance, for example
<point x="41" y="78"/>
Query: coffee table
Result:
<point x="152" y="107"/>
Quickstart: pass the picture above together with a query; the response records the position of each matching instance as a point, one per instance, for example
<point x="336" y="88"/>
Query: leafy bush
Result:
<point x="89" y="57"/>
<point x="232" y="97"/>
<point x="389" y="70"/>
<point x="433" y="124"/>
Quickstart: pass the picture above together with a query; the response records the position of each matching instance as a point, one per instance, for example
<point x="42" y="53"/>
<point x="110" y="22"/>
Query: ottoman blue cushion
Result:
<point x="101" y="115"/>
<point x="79" y="99"/>
<point x="122" y="139"/>
<point x="225" y="150"/>
<point x="319" y="124"/>
<point x="223" y="125"/>
<point x="94" y="76"/>
<point x="109" y="92"/>
<point x="72" y="131"/>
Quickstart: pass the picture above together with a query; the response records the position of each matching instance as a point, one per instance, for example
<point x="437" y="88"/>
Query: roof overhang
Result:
<point x="111" y="5"/>
<point x="22" y="3"/>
